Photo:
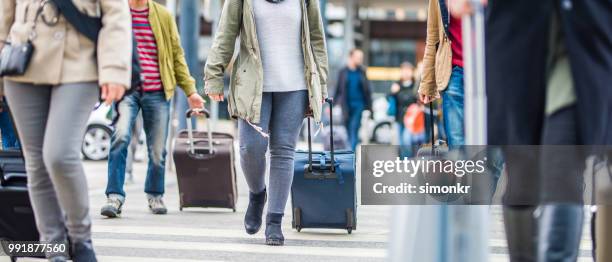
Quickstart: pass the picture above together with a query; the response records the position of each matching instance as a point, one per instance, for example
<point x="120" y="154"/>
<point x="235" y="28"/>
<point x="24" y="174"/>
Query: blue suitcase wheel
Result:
<point x="350" y="220"/>
<point x="297" y="219"/>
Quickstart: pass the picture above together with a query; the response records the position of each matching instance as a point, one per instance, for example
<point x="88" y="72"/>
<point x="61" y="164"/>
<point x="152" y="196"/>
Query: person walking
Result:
<point x="52" y="101"/>
<point x="279" y="76"/>
<point x="353" y="94"/>
<point x="558" y="93"/>
<point x="403" y="95"/>
<point x="443" y="69"/>
<point x="163" y="67"/>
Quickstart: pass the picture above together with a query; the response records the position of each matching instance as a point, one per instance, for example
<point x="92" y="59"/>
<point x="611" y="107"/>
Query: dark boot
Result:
<point x="252" y="218"/>
<point x="274" y="233"/>
<point x="521" y="233"/>
<point x="83" y="252"/>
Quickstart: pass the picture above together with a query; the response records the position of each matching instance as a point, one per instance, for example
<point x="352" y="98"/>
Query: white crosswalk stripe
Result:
<point x="244" y="248"/>
<point x="229" y="233"/>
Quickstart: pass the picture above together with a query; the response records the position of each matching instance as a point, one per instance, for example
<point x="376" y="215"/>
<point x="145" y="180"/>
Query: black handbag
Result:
<point x="15" y="58"/>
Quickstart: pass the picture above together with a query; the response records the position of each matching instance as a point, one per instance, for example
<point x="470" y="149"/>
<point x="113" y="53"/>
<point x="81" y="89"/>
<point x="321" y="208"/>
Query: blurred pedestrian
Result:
<point x="443" y="69"/>
<point x="353" y="94"/>
<point x="403" y="95"/>
<point x="163" y="67"/>
<point x="271" y="96"/>
<point x="52" y="100"/>
<point x="549" y="86"/>
<point x="9" y="138"/>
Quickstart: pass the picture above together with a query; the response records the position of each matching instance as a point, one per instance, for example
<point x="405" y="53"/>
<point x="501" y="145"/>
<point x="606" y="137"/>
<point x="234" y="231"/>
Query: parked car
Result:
<point x="96" y="143"/>
<point x="97" y="140"/>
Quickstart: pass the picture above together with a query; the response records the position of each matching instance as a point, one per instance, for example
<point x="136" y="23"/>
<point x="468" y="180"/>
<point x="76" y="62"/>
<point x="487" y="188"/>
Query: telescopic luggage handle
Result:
<point x="431" y="127"/>
<point x="188" y="115"/>
<point x="330" y="101"/>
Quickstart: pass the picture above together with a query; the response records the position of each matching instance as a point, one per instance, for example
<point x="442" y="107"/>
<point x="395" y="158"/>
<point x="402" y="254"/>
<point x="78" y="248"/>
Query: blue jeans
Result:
<point x="452" y="108"/>
<point x="156" y="115"/>
<point x="560" y="230"/>
<point x="354" y="123"/>
<point x="9" y="139"/>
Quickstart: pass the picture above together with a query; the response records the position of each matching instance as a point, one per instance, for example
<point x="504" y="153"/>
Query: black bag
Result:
<point x="15" y="58"/>
<point x="16" y="215"/>
<point x="90" y="27"/>
<point x="436" y="151"/>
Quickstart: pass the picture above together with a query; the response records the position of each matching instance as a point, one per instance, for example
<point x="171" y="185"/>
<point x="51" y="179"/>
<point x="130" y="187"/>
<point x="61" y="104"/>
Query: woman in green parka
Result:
<point x="278" y="77"/>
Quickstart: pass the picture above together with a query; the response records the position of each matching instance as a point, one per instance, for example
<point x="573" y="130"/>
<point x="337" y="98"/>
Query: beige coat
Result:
<point x="437" y="62"/>
<point x="61" y="54"/>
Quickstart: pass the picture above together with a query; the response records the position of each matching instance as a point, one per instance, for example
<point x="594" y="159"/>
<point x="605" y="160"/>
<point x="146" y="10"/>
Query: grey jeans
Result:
<point x="282" y="114"/>
<point x="51" y="122"/>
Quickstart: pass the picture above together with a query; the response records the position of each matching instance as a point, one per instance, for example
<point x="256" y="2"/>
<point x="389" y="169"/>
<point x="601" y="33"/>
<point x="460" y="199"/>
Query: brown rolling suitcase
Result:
<point x="205" y="167"/>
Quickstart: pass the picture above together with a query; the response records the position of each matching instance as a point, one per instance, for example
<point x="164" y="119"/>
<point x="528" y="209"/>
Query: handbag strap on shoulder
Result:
<point x="86" y="25"/>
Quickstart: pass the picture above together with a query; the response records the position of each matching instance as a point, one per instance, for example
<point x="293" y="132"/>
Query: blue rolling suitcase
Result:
<point x="323" y="190"/>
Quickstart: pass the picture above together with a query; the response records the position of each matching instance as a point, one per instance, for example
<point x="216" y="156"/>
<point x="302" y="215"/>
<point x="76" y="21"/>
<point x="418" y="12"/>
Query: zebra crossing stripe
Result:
<point x="242" y="248"/>
<point x="330" y="235"/>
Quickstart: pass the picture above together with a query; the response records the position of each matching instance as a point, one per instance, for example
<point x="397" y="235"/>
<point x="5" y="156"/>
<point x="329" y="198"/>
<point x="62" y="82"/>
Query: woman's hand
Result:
<point x="112" y="92"/>
<point x="216" y="97"/>
<point x="426" y="99"/>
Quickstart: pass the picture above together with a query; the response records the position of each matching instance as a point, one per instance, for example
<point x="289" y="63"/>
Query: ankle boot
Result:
<point x="83" y="252"/>
<point x="521" y="233"/>
<point x="274" y="233"/>
<point x="252" y="218"/>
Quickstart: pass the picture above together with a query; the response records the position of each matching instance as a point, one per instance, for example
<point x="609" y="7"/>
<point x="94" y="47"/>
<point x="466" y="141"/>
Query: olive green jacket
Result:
<point x="246" y="82"/>
<point x="171" y="57"/>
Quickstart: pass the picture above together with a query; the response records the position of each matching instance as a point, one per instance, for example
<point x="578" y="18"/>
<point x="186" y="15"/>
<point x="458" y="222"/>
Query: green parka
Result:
<point x="246" y="82"/>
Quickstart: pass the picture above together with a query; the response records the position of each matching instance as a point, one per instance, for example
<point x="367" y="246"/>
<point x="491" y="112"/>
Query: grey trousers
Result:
<point x="51" y="122"/>
<point x="282" y="114"/>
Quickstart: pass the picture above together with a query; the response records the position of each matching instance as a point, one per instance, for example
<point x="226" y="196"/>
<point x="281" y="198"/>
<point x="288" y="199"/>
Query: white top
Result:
<point x="279" y="32"/>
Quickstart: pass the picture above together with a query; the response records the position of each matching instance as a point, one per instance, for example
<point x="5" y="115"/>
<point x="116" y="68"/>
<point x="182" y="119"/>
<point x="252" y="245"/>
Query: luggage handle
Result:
<point x="188" y="115"/>
<point x="431" y="127"/>
<point x="330" y="101"/>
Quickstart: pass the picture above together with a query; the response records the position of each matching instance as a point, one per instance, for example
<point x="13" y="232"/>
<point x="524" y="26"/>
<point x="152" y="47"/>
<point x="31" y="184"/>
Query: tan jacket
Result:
<point x="437" y="62"/>
<point x="61" y="54"/>
<point x="246" y="82"/>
